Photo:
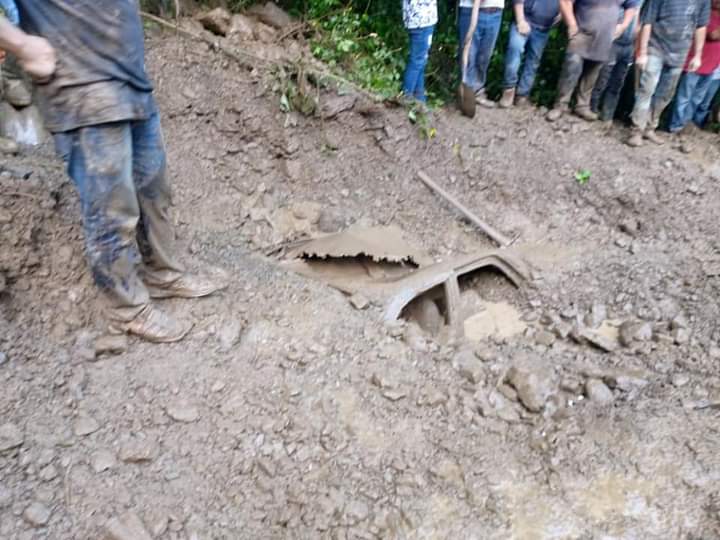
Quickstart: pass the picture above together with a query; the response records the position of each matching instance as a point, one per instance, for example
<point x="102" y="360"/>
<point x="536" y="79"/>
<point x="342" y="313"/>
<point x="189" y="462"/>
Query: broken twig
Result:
<point x="496" y="236"/>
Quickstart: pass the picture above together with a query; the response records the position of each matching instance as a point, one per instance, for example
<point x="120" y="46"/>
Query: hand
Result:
<point x="523" y="27"/>
<point x="695" y="63"/>
<point x="2" y="56"/>
<point x="573" y="31"/>
<point x="618" y="31"/>
<point x="641" y="61"/>
<point x="37" y="58"/>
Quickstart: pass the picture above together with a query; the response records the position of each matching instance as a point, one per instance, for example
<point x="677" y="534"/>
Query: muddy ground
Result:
<point x="290" y="413"/>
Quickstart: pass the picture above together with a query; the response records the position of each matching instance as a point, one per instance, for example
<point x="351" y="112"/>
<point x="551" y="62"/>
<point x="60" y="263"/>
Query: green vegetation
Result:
<point x="583" y="176"/>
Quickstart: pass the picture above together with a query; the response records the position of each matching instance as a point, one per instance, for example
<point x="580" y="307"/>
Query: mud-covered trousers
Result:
<point x="119" y="172"/>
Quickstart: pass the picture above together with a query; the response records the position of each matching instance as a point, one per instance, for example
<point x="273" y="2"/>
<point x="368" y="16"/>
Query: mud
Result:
<point x="290" y="413"/>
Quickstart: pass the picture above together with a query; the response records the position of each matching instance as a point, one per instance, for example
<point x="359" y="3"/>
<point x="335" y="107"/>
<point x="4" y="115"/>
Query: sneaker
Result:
<point x="654" y="137"/>
<point x="17" y="93"/>
<point x="186" y="286"/>
<point x="507" y="99"/>
<point x="586" y="114"/>
<point x="555" y="114"/>
<point x="522" y="101"/>
<point x="635" y="140"/>
<point x="482" y="100"/>
<point x="153" y="325"/>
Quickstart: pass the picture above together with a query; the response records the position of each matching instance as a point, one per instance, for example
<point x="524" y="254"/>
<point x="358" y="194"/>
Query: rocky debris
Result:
<point x="241" y="27"/>
<point x="8" y="146"/>
<point x="37" y="514"/>
<point x="48" y="473"/>
<point x="496" y="405"/>
<point x="681" y="336"/>
<point x="216" y="21"/>
<point x="426" y="313"/>
<point x="271" y="14"/>
<point x="128" y="526"/>
<point x="393" y="394"/>
<point x="450" y="472"/>
<point x="5" y="497"/>
<point x="331" y="107"/>
<point x="626" y="380"/>
<point x="358" y="301"/>
<point x="85" y="425"/>
<point x="469" y="366"/>
<point x="183" y="412"/>
<point x="111" y="345"/>
<point x="534" y="385"/>
<point x="138" y="450"/>
<point x="10" y="437"/>
<point x="679" y="379"/>
<point x="598" y="392"/>
<point x="599" y="341"/>
<point x="630" y="226"/>
<point x="596" y="316"/>
<point x="102" y="460"/>
<point x="545" y="338"/>
<point x="266" y="36"/>
<point x="635" y="331"/>
<point x="229" y="335"/>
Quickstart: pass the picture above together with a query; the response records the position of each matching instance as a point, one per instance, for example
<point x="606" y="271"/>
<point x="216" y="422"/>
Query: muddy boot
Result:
<point x="507" y="99"/>
<point x="654" y="137"/>
<point x="16" y="93"/>
<point x="153" y="325"/>
<point x="186" y="286"/>
<point x="555" y="114"/>
<point x="522" y="101"/>
<point x="636" y="139"/>
<point x="586" y="114"/>
<point x="482" y="100"/>
<point x="8" y="146"/>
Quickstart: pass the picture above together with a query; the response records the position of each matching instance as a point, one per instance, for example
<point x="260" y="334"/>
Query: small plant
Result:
<point x="583" y="176"/>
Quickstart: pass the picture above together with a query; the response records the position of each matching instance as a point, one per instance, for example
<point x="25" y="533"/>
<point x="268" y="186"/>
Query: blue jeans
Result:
<point x="482" y="47"/>
<point x="533" y="45"/>
<point x="693" y="100"/>
<point x="654" y="93"/>
<point x="606" y="94"/>
<point x="119" y="172"/>
<point x="414" y="78"/>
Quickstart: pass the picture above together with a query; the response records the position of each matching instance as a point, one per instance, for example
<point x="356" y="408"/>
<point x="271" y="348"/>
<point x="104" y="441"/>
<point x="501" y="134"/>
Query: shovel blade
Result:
<point x="466" y="100"/>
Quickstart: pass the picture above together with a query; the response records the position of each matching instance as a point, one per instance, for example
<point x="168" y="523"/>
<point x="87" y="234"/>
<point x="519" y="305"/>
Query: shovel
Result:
<point x="466" y="95"/>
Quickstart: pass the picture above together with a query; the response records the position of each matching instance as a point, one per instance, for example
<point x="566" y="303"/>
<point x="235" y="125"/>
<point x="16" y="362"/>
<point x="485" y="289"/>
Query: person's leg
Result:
<point x="616" y="82"/>
<point x="468" y="73"/>
<point x="99" y="161"/>
<point x="669" y="78"/>
<point x="513" y="57"/>
<point x="648" y="82"/>
<point x="426" y="42"/>
<point x="570" y="74"/>
<point x="162" y="273"/>
<point x="414" y="63"/>
<point x="704" y="101"/>
<point x="681" y="109"/>
<point x="536" y="43"/>
<point x="591" y="71"/>
<point x="487" y="33"/>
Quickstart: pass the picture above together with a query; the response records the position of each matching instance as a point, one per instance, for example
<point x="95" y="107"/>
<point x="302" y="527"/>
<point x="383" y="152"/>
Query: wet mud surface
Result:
<point x="292" y="412"/>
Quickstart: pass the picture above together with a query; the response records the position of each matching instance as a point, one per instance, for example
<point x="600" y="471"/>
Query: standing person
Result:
<point x="482" y="45"/>
<point x="592" y="26"/>
<point x="529" y="35"/>
<point x="420" y="18"/>
<point x="669" y="28"/>
<point x="697" y="90"/>
<point x="98" y="102"/>
<point x="606" y="94"/>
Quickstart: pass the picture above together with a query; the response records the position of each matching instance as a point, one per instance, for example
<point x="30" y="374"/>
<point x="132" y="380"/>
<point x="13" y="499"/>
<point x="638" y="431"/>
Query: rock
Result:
<point x="111" y="345"/>
<point x="216" y="21"/>
<point x="596" y="316"/>
<point x="157" y="521"/>
<point x="241" y="27"/>
<point x="630" y="226"/>
<point x="5" y="497"/>
<point x="85" y="425"/>
<point x="126" y="527"/>
<point x="183" y="412"/>
<point x="669" y="308"/>
<point x="271" y="14"/>
<point x="679" y="321"/>
<point x="3" y="358"/>
<point x="333" y="106"/>
<point x="37" y="514"/>
<point x="534" y="386"/>
<point x="393" y="394"/>
<point x="357" y="511"/>
<point x="632" y="331"/>
<point x="598" y="392"/>
<point x="8" y="146"/>
<point x="102" y="460"/>
<point x="681" y="336"/>
<point x="595" y="339"/>
<point x="469" y="366"/>
<point x="449" y="471"/>
<point x="358" y="301"/>
<point x="48" y="473"/>
<point x="679" y="379"/>
<point x="625" y="380"/>
<point x="414" y="337"/>
<point x="426" y="313"/>
<point x="545" y="338"/>
<point x="10" y="437"/>
<point x="265" y="34"/>
<point x="137" y="450"/>
<point x="229" y="335"/>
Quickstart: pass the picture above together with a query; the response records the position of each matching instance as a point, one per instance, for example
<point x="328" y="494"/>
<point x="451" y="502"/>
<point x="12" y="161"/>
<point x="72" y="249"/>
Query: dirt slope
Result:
<point x="290" y="414"/>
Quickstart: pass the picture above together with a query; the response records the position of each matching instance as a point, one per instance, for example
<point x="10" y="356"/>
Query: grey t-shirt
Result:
<point x="597" y="20"/>
<point x="100" y="76"/>
<point x="540" y="13"/>
<point x="673" y="25"/>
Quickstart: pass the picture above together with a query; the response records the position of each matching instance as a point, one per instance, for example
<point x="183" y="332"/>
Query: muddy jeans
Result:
<point x="606" y="95"/>
<point x="654" y="93"/>
<point x="119" y="172"/>
<point x="576" y="68"/>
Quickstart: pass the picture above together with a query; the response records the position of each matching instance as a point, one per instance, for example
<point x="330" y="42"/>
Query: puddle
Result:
<point x="497" y="319"/>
